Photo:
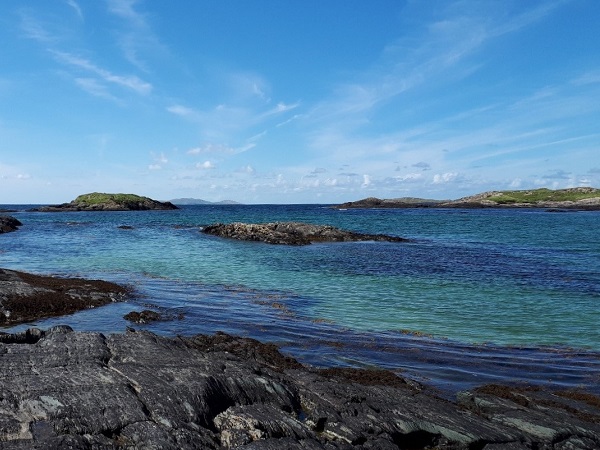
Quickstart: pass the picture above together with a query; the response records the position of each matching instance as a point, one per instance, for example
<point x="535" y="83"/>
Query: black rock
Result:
<point x="8" y="224"/>
<point x="291" y="233"/>
<point x="65" y="389"/>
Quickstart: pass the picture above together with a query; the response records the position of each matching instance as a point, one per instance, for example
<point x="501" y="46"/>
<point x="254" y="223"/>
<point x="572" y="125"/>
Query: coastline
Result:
<point x="139" y="390"/>
<point x="248" y="393"/>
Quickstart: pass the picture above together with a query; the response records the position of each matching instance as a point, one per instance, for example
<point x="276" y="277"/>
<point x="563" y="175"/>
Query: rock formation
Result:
<point x="109" y="202"/>
<point x="64" y="389"/>
<point x="8" y="224"/>
<point x="581" y="198"/>
<point x="25" y="297"/>
<point x="291" y="233"/>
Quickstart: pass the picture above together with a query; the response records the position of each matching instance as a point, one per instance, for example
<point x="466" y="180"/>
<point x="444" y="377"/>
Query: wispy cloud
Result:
<point x="73" y="4"/>
<point x="32" y="28"/>
<point x="131" y="82"/>
<point x="136" y="39"/>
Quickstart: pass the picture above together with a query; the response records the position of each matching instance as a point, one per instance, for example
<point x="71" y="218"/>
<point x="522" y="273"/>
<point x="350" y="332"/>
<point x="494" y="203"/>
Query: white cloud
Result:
<point x="366" y="181"/>
<point x="154" y="167"/>
<point x="445" y="177"/>
<point x="206" y="165"/>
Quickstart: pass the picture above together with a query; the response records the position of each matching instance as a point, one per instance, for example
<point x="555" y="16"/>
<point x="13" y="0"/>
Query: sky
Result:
<point x="297" y="101"/>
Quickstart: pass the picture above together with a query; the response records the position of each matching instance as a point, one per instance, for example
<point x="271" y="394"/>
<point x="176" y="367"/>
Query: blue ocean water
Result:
<point x="476" y="296"/>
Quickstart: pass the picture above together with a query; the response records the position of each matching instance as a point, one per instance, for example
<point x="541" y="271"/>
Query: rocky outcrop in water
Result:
<point x="25" y="297"/>
<point x="109" y="202"/>
<point x="8" y="224"/>
<point x="291" y="233"/>
<point x="63" y="389"/>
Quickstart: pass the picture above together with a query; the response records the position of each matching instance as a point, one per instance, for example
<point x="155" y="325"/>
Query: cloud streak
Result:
<point x="130" y="82"/>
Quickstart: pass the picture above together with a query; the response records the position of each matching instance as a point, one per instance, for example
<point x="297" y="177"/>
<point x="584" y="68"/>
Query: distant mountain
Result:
<point x="197" y="201"/>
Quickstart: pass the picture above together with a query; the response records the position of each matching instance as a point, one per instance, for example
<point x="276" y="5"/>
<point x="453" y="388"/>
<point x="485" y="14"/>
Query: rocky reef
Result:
<point x="26" y="297"/>
<point x="8" y="224"/>
<point x="109" y="202"/>
<point x="291" y="233"/>
<point x="65" y="389"/>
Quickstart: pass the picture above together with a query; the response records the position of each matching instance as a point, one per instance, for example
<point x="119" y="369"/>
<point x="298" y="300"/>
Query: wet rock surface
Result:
<point x="291" y="233"/>
<point x="26" y="297"/>
<point x="65" y="389"/>
<point x="8" y="224"/>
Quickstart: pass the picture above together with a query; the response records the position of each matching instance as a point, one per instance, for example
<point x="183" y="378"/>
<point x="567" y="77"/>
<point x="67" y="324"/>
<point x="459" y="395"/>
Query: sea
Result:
<point x="476" y="296"/>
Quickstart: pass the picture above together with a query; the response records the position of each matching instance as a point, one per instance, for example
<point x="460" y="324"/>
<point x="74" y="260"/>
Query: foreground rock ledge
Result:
<point x="291" y="233"/>
<point x="25" y="297"/>
<point x="65" y="389"/>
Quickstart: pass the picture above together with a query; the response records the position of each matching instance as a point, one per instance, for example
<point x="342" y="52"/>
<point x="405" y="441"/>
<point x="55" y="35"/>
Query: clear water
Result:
<point x="524" y="283"/>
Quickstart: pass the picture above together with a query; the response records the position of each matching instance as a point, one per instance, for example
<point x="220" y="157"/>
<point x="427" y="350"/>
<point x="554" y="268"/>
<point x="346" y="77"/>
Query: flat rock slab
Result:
<point x="291" y="233"/>
<point x="26" y="297"/>
<point x="65" y="389"/>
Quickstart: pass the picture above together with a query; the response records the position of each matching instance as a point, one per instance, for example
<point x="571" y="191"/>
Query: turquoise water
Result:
<point x="518" y="278"/>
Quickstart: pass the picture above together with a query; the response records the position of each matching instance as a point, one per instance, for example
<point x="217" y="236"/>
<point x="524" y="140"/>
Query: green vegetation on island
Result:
<point x="97" y="201"/>
<point x="544" y="195"/>
<point x="580" y="198"/>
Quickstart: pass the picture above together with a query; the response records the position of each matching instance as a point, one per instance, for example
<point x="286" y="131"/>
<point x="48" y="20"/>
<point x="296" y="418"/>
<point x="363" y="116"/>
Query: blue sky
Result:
<point x="297" y="101"/>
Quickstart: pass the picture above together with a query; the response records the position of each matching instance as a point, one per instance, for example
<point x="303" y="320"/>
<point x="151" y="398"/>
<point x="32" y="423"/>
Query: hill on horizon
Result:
<point x="198" y="201"/>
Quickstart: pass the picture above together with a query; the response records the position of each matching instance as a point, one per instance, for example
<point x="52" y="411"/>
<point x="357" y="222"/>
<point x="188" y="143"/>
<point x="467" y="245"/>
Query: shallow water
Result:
<point x="526" y="283"/>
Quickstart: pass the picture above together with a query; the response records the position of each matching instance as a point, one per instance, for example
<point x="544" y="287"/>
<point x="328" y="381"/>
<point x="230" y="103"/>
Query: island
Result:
<point x="97" y="201"/>
<point x="580" y="198"/>
<point x="291" y="233"/>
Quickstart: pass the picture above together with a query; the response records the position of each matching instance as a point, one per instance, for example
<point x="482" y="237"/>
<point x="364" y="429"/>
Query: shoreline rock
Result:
<point x="8" y="224"/>
<point x="291" y="233"/>
<point x="108" y="202"/>
<point x="65" y="389"/>
<point x="26" y="297"/>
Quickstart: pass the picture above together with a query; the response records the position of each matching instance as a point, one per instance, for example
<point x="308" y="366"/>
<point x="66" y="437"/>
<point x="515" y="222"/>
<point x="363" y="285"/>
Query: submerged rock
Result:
<point x="64" y="389"/>
<point x="8" y="224"/>
<point x="25" y="297"/>
<point x="144" y="316"/>
<point x="291" y="233"/>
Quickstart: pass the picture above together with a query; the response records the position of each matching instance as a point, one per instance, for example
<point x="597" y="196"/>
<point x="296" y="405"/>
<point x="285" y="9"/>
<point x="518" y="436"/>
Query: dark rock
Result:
<point x="144" y="316"/>
<point x="125" y="227"/>
<point x="66" y="389"/>
<point x="25" y="297"/>
<point x="8" y="224"/>
<point x="404" y="202"/>
<point x="291" y="233"/>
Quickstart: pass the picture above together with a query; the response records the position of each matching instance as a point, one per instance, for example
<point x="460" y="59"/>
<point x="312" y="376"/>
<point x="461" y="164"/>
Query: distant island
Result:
<point x="581" y="198"/>
<point x="109" y="202"/>
<point x="197" y="201"/>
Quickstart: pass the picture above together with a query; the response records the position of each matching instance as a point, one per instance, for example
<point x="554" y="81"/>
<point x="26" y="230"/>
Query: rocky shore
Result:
<point x="65" y="389"/>
<point x="291" y="233"/>
<point x="26" y="297"/>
